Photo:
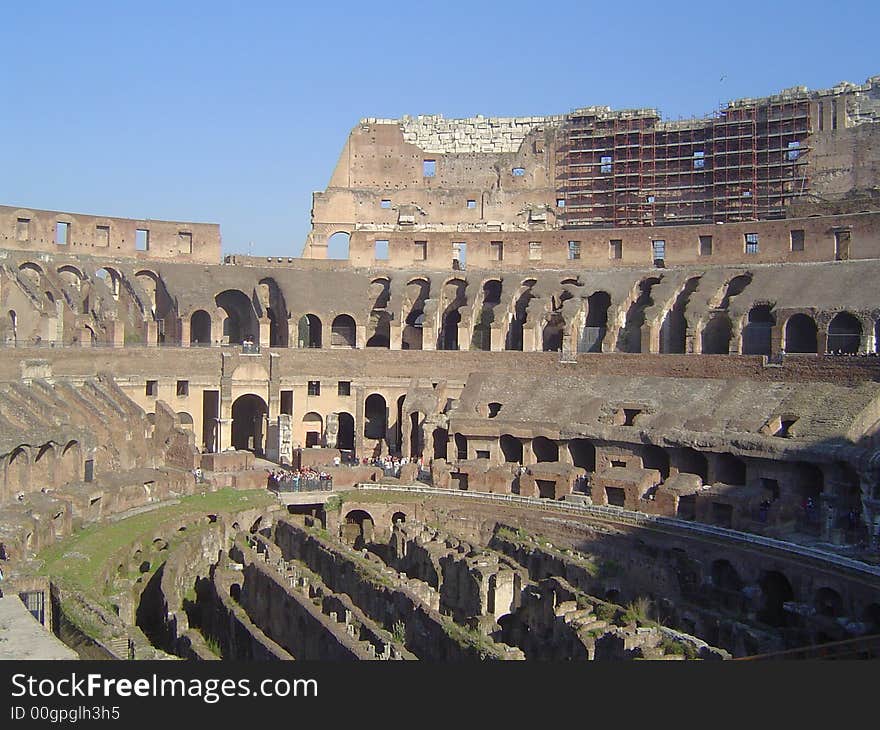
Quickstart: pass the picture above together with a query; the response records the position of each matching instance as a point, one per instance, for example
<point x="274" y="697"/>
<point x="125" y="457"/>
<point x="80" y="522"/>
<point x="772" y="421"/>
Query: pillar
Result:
<point x="183" y="326"/>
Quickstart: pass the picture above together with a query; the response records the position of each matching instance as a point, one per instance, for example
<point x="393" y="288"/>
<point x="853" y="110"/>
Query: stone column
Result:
<point x="183" y="326"/>
<point x="360" y="340"/>
<point x="265" y="332"/>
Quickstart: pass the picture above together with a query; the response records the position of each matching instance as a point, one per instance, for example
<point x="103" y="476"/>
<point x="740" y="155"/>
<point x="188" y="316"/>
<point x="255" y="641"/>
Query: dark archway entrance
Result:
<point x="248" y="423"/>
<point x="800" y="334"/>
<point x="844" y="334"/>
<point x="309" y="331"/>
<point x="757" y="334"/>
<point x="345" y="435"/>
<point x="200" y="328"/>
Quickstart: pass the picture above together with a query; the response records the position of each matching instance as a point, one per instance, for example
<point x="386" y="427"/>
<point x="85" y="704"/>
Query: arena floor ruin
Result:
<point x="554" y="404"/>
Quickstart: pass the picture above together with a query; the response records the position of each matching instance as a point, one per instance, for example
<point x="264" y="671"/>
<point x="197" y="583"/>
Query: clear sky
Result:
<point x="235" y="112"/>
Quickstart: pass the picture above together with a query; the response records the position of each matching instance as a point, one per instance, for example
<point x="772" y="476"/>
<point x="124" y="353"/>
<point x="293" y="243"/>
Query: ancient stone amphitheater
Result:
<point x="586" y="386"/>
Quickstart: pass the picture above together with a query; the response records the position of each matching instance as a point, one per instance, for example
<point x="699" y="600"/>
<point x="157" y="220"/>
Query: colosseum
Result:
<point x="587" y="386"/>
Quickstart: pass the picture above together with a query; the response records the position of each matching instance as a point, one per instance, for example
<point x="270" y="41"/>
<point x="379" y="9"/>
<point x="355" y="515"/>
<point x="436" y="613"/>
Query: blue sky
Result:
<point x="235" y="112"/>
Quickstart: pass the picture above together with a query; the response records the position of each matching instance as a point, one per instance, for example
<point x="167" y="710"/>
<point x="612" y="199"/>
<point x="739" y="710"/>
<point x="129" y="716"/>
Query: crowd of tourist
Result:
<point x="390" y="465"/>
<point x="304" y="479"/>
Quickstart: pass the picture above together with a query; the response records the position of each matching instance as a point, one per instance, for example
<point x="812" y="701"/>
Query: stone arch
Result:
<point x="725" y="577"/>
<point x="338" y="245"/>
<point x="71" y="275"/>
<point x="200" y="328"/>
<point x="716" y="335"/>
<point x="758" y="333"/>
<point x="111" y="278"/>
<point x="398" y="517"/>
<point x="345" y="438"/>
<point x="375" y="417"/>
<point x="313" y="427"/>
<point x="544" y="449"/>
<point x="365" y="526"/>
<point x="343" y="332"/>
<point x="248" y="423"/>
<point x="801" y="334"/>
<point x="440" y="442"/>
<point x="185" y="420"/>
<point x="149" y="282"/>
<point x="240" y="322"/>
<point x="309" y="331"/>
<point x="828" y="602"/>
<point x="673" y="331"/>
<point x="776" y="591"/>
<point x="482" y="334"/>
<point x="416" y="294"/>
<point x="844" y="333"/>
<point x="511" y="449"/>
<point x="730" y="469"/>
<point x="18" y="470"/>
<point x="583" y="453"/>
<point x="31" y="272"/>
<point x="455" y="297"/>
<point x="275" y="306"/>
<point x="629" y="339"/>
<point x="518" y="316"/>
<point x="596" y="323"/>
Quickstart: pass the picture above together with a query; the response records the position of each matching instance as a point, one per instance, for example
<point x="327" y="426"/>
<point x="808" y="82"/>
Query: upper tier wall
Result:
<point x="52" y="231"/>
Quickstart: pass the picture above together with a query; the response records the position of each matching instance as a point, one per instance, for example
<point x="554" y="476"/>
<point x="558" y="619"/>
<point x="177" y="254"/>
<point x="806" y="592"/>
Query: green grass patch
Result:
<point x="78" y="561"/>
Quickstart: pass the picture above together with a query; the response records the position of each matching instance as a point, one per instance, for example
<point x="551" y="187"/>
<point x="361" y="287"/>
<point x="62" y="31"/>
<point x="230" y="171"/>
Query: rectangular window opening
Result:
<point x="142" y="239"/>
<point x="459" y="255"/>
<point x="797" y="240"/>
<point x="472" y="204"/>
<point x="152" y="388"/>
<point x="574" y="250"/>
<point x="497" y="249"/>
<point x="344" y="387"/>
<point x="751" y="242"/>
<point x="615" y="248"/>
<point x="287" y="402"/>
<point x="381" y="251"/>
<point x="606" y="163"/>
<point x="705" y="245"/>
<point x="182" y="388"/>
<point x="658" y="249"/>
<point x="314" y="387"/>
<point x="560" y="202"/>
<point x="429" y="168"/>
<point x="699" y="160"/>
<point x="22" y="229"/>
<point x="185" y="241"/>
<point x="102" y="235"/>
<point x="62" y="233"/>
<point x="534" y="250"/>
<point x="793" y="151"/>
<point x="420" y="251"/>
<point x="518" y="171"/>
<point x="385" y="204"/>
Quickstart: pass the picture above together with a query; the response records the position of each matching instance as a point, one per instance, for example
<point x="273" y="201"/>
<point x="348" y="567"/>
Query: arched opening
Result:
<point x="757" y="334"/>
<point x="415" y="296"/>
<point x="716" y="335"/>
<point x="544" y="449"/>
<point x="583" y="454"/>
<point x="375" y="417"/>
<point x="828" y="602"/>
<point x="309" y="331"/>
<point x="461" y="450"/>
<point x="313" y="427"/>
<point x="337" y="245"/>
<point x="730" y="469"/>
<point x="629" y="338"/>
<point x="343" y="332"/>
<point x="441" y="440"/>
<point x="248" y="419"/>
<point x="673" y="331"/>
<point x="551" y="338"/>
<point x="380" y="292"/>
<point x="451" y="320"/>
<point x="776" y="592"/>
<point x="511" y="449"/>
<point x="200" y="328"/>
<point x="693" y="462"/>
<point x="596" y="324"/>
<point x="725" y="577"/>
<point x="398" y="517"/>
<point x="412" y="334"/>
<point x="800" y="334"/>
<point x="844" y="333"/>
<point x="514" y="339"/>
<point x="363" y="534"/>
<point x="454" y="294"/>
<point x="110" y="278"/>
<point x="656" y="457"/>
<point x="185" y="420"/>
<point x="241" y="319"/>
<point x="345" y="436"/>
<point x="416" y="441"/>
<point x="272" y="301"/>
<point x="380" y="326"/>
<point x="482" y="336"/>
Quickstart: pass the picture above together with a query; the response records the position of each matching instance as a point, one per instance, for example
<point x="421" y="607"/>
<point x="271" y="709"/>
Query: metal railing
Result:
<point x="640" y="519"/>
